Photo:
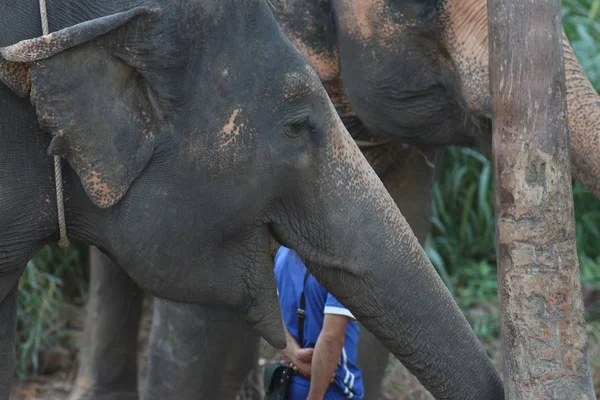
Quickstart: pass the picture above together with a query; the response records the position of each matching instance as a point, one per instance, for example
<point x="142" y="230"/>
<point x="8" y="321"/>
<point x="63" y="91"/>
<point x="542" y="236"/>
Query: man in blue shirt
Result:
<point x="329" y="328"/>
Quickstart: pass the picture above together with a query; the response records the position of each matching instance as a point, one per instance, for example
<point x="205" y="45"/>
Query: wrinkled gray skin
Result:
<point x="187" y="148"/>
<point x="214" y="352"/>
<point x="193" y="347"/>
<point x="411" y="72"/>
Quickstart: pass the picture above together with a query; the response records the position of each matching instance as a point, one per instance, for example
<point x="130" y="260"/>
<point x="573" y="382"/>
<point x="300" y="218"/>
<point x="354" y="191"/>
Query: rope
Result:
<point x="60" y="204"/>
<point x="44" y="16"/>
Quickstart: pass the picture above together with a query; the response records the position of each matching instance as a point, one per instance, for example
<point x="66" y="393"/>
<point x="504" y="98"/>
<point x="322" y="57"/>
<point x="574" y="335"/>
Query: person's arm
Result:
<point x="327" y="354"/>
<point x="299" y="358"/>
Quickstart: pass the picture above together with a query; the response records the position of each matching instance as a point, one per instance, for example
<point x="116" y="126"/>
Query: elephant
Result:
<point x="108" y="358"/>
<point x="398" y="72"/>
<point x="187" y="148"/>
<point x="403" y="72"/>
<point x="114" y="342"/>
<point x="407" y="78"/>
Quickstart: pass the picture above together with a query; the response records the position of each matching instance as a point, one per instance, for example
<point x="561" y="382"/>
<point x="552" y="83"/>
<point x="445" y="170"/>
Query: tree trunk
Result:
<point x="543" y="328"/>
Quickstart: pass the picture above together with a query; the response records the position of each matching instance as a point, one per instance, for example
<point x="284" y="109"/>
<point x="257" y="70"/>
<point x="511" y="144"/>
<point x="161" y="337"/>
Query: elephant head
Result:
<point x="417" y="72"/>
<point x="197" y="131"/>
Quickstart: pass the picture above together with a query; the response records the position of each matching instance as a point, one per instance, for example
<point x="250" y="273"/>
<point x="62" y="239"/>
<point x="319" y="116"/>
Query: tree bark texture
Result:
<point x="543" y="328"/>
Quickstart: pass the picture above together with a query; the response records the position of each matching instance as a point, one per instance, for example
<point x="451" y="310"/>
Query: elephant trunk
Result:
<point x="392" y="288"/>
<point x="584" y="122"/>
<point x="356" y="242"/>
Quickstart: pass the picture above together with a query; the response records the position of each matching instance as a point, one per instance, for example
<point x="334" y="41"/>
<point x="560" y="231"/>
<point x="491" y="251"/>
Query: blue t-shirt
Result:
<point x="289" y="273"/>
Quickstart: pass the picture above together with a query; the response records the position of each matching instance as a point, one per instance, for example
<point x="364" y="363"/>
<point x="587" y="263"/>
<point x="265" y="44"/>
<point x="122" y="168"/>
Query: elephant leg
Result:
<point x="108" y="359"/>
<point x="242" y="360"/>
<point x="372" y="359"/>
<point x="409" y="179"/>
<point x="8" y="328"/>
<point x="198" y="352"/>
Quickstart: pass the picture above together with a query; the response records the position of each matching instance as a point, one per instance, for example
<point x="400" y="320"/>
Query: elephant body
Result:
<point x="187" y="147"/>
<point x="411" y="72"/>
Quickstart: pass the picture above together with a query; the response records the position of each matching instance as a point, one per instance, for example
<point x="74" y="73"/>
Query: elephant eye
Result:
<point x="297" y="129"/>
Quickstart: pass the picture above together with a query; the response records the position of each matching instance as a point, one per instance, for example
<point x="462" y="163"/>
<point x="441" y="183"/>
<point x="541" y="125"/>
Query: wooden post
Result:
<point x="543" y="328"/>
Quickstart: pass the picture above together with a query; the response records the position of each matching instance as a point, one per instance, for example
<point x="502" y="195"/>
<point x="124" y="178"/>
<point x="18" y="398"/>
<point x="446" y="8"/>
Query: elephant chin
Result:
<point x="263" y="312"/>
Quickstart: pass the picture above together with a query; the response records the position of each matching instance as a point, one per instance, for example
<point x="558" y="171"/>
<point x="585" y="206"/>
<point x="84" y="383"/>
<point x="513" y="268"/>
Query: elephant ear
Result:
<point x="14" y="71"/>
<point x="16" y="77"/>
<point x="97" y="106"/>
<point x="43" y="47"/>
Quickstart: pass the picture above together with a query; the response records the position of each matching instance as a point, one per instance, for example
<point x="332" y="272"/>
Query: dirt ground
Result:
<point x="399" y="384"/>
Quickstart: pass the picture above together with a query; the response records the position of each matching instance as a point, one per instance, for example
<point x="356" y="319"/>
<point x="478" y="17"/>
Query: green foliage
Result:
<point x="476" y="294"/>
<point x="581" y="20"/>
<point x="461" y="242"/>
<point x="463" y="211"/>
<point x="51" y="278"/>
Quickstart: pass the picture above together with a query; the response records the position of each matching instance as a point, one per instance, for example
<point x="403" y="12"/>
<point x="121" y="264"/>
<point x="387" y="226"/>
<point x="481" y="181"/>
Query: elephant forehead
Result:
<point x="301" y="84"/>
<point x="372" y="21"/>
<point x="358" y="16"/>
<point x="364" y="13"/>
<point x="325" y="64"/>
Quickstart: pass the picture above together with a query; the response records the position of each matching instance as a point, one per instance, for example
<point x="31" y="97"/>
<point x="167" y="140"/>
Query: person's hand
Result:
<point x="304" y="355"/>
<point x="299" y="359"/>
<point x="302" y="368"/>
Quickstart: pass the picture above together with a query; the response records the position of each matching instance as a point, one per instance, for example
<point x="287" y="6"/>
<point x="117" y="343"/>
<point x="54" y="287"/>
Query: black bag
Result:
<point x="276" y="380"/>
<point x="277" y="375"/>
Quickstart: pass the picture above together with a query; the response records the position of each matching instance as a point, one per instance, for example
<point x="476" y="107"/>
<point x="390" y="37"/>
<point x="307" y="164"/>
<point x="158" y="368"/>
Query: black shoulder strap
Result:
<point x="302" y="310"/>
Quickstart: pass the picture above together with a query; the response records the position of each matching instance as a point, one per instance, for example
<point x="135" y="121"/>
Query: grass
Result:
<point x="462" y="230"/>
<point x="52" y="278"/>
<point x="581" y="20"/>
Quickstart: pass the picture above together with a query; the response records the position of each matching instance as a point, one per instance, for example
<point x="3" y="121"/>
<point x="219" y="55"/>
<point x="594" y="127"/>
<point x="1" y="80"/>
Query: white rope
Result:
<point x="44" y="16"/>
<point x="60" y="204"/>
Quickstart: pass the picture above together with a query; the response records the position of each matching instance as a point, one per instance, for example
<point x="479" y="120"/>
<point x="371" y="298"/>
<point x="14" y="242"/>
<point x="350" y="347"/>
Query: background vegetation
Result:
<point x="461" y="244"/>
